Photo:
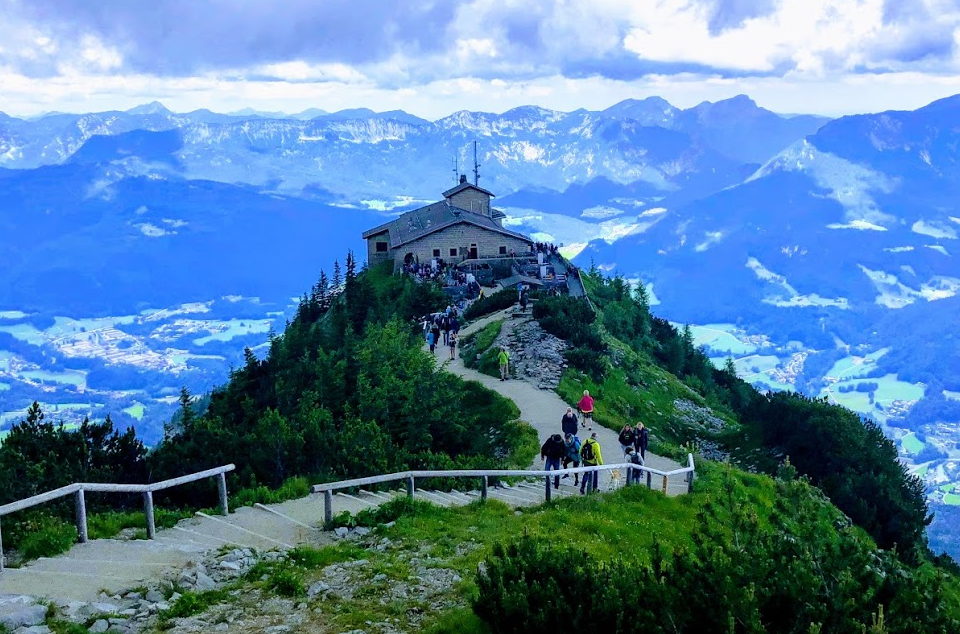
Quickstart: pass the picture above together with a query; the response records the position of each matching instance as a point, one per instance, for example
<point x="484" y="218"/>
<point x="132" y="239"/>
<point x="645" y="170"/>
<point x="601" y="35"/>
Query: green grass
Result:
<point x="952" y="499"/>
<point x="477" y="351"/>
<point x="45" y="537"/>
<point x="190" y="603"/>
<point x="912" y="444"/>
<point x="108" y="524"/>
<point x="291" y="489"/>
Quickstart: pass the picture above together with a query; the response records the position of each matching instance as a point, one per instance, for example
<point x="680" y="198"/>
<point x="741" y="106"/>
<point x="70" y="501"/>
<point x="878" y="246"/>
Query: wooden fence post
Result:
<point x="411" y="487"/>
<point x="81" y="515"/>
<point x="546" y="491"/>
<point x="649" y="480"/>
<point x="689" y="481"/>
<point x="664" y="485"/>
<point x="483" y="490"/>
<point x="148" y="510"/>
<point x="327" y="506"/>
<point x="222" y="490"/>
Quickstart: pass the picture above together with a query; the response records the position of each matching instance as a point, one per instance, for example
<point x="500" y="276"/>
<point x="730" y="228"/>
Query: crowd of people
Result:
<point x="563" y="450"/>
<point x="545" y="248"/>
<point x="442" y="328"/>
<point x="433" y="271"/>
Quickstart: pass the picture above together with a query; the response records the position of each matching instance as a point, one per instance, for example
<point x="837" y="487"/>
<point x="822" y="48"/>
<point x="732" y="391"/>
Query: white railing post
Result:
<point x="327" y="506"/>
<point x="148" y="511"/>
<point x="690" y="473"/>
<point x="81" y="515"/>
<point x="222" y="490"/>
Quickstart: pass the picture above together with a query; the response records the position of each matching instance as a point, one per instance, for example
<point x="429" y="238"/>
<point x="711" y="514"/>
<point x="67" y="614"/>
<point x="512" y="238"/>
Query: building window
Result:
<point x="436" y="253"/>
<point x="382" y="247"/>
<point x="453" y="253"/>
<point x="503" y="250"/>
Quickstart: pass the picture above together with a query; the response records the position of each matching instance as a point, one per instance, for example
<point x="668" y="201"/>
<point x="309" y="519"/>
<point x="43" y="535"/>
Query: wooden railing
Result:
<point x="79" y="489"/>
<point x="485" y="474"/>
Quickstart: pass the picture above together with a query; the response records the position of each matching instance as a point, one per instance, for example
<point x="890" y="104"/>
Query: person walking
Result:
<point x="571" y="444"/>
<point x="586" y="410"/>
<point x="632" y="457"/>
<point x="504" y="359"/>
<point x="626" y="438"/>
<point x="591" y="457"/>
<point x="432" y="342"/>
<point x="552" y="452"/>
<point x="568" y="424"/>
<point x="641" y="439"/>
<point x="452" y="343"/>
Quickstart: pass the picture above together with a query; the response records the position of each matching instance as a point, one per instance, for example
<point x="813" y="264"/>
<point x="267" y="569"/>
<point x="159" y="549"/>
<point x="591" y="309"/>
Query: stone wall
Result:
<point x="459" y="238"/>
<point x="374" y="256"/>
<point x="472" y="200"/>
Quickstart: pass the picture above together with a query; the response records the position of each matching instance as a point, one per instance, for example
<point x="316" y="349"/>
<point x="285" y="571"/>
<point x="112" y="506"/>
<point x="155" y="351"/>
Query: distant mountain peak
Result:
<point x="154" y="107"/>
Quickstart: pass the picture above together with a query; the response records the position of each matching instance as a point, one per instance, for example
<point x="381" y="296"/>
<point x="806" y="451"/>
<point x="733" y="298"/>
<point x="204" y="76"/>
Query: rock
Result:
<point x="229" y="565"/>
<point x="361" y="531"/>
<point x="277" y="629"/>
<point x="379" y="577"/>
<point x="221" y="627"/>
<point x="390" y="524"/>
<point x="317" y="588"/>
<point x="162" y="605"/>
<point x="34" y="629"/>
<point x="204" y="582"/>
<point x="341" y="531"/>
<point x="136" y="596"/>
<point x="16" y="615"/>
<point x="100" y="626"/>
<point x="154" y="596"/>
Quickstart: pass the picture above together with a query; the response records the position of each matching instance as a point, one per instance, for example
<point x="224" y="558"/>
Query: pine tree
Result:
<point x="337" y="279"/>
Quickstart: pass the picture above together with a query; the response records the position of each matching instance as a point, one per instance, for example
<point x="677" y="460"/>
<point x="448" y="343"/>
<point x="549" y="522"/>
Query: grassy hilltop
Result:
<point x="801" y="519"/>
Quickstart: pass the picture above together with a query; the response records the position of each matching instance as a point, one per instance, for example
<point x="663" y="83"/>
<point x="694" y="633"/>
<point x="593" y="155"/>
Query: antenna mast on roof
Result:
<point x="456" y="168"/>
<point x="476" y="166"/>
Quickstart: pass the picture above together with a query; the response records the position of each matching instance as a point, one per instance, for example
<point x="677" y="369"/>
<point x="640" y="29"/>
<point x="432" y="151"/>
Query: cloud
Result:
<point x="475" y="51"/>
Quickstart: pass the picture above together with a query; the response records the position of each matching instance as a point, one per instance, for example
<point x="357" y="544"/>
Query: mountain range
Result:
<point x="818" y="254"/>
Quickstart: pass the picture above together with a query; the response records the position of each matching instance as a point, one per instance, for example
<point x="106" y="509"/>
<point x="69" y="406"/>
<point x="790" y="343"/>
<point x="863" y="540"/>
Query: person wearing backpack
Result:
<point x="591" y="457"/>
<point x="552" y="452"/>
<point x="632" y="457"/>
<point x="572" y="446"/>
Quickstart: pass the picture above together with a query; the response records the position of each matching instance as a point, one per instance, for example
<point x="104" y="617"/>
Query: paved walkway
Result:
<point x="543" y="409"/>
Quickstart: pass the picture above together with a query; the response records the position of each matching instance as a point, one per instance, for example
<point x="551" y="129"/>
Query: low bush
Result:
<point x="108" y="524"/>
<point x="490" y="304"/>
<point x="44" y="536"/>
<point x="190" y="603"/>
<point x="287" y="581"/>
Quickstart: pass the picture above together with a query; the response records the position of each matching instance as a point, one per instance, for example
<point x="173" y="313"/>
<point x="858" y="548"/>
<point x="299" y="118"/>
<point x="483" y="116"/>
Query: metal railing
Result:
<point x="485" y="474"/>
<point x="79" y="489"/>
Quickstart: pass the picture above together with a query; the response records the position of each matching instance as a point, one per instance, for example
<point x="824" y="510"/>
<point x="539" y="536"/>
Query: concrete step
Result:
<point x="270" y="525"/>
<point x="61" y="585"/>
<point x="430" y="496"/>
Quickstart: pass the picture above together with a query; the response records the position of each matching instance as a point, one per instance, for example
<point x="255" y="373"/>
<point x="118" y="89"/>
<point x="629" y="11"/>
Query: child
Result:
<point x="432" y="342"/>
<point x="452" y="342"/>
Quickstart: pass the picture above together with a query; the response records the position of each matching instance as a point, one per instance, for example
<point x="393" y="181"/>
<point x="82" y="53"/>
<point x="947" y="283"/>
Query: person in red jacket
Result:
<point x="586" y="409"/>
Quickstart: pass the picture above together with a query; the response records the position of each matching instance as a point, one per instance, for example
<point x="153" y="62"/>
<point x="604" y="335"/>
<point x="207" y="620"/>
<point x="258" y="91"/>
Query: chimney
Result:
<point x="463" y="179"/>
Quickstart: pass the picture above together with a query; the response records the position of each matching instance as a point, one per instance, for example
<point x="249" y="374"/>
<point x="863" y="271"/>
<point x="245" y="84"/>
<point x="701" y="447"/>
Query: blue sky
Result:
<point x="433" y="57"/>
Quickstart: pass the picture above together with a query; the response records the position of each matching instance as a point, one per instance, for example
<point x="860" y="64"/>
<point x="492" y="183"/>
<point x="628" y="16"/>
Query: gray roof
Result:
<point x="421" y="222"/>
<point x="462" y="186"/>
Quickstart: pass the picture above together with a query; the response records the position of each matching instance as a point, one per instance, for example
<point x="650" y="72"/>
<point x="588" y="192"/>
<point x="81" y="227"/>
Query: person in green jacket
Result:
<point x="590" y="456"/>
<point x="504" y="359"/>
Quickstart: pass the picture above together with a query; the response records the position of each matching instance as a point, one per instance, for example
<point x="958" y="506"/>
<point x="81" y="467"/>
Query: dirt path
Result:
<point x="543" y="409"/>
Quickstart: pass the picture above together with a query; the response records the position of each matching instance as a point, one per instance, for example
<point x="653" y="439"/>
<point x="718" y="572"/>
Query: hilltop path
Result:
<point x="543" y="409"/>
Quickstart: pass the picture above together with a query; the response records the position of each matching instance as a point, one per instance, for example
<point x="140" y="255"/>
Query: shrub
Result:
<point x="45" y="536"/>
<point x="287" y="582"/>
<point x="490" y="304"/>
<point x="190" y="603"/>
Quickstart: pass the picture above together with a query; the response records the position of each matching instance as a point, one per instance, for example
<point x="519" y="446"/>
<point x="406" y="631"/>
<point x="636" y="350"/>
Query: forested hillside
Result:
<point x="346" y="390"/>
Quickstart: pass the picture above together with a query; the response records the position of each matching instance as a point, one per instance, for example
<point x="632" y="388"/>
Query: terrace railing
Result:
<point x="78" y="490"/>
<point x="635" y="474"/>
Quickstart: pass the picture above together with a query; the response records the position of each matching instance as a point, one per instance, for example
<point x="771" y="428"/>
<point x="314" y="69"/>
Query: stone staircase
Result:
<point x="112" y="566"/>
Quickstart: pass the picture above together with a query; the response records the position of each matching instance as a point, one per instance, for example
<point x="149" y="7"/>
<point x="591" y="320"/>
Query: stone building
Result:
<point x="463" y="226"/>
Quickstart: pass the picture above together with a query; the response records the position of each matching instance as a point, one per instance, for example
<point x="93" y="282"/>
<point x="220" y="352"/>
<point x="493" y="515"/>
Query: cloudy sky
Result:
<point x="432" y="57"/>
